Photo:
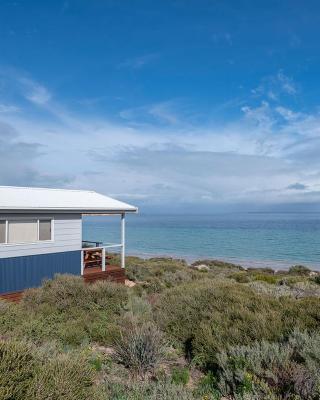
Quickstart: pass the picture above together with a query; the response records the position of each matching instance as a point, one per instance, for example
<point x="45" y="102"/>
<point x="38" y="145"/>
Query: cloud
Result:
<point x="276" y="86"/>
<point x="139" y="61"/>
<point x="297" y="186"/>
<point x="160" y="153"/>
<point x="166" y="112"/>
<point x="35" y="92"/>
<point x="7" y="108"/>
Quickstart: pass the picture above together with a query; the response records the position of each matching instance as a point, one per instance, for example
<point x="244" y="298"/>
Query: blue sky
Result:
<point x="198" y="104"/>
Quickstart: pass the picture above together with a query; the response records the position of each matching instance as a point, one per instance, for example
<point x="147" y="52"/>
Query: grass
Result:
<point x="179" y="333"/>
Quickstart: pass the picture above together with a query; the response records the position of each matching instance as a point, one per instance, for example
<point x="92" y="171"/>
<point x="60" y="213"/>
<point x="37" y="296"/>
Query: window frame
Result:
<point x="27" y="218"/>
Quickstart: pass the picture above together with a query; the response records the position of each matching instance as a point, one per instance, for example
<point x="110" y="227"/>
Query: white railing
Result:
<point x="103" y="248"/>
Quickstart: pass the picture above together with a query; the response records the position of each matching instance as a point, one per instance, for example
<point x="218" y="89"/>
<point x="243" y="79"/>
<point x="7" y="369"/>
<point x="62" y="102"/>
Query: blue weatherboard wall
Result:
<point x="18" y="273"/>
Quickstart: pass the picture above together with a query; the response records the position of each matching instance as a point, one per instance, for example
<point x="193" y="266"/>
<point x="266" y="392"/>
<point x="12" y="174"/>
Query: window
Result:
<point x="22" y="231"/>
<point x="2" y="231"/>
<point x="45" y="229"/>
<point x="16" y="231"/>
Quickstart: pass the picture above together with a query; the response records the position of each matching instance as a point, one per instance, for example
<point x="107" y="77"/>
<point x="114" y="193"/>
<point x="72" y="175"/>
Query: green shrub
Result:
<point x="9" y="316"/>
<point x="61" y="293"/>
<point x="218" y="264"/>
<point x="299" y="270"/>
<point x="63" y="378"/>
<point x="276" y="370"/>
<point x="139" y="347"/>
<point x="139" y="308"/>
<point x="17" y="368"/>
<point x="107" y="296"/>
<point x="316" y="279"/>
<point x="161" y="390"/>
<point x="180" y="376"/>
<point x="205" y="317"/>
<point x="207" y="387"/>
<point x="268" y="278"/>
<point x="240" y="277"/>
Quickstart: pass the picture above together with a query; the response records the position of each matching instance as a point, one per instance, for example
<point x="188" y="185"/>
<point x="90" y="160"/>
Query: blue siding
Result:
<point x="18" y="273"/>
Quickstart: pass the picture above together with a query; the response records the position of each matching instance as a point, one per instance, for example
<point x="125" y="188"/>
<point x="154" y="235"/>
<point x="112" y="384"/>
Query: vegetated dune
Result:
<point x="211" y="330"/>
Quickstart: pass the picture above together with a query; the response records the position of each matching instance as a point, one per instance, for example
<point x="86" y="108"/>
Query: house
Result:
<point x="41" y="235"/>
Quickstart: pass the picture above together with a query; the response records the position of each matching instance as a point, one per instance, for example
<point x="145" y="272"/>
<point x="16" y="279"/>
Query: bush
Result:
<point x="240" y="277"/>
<point x="207" y="387"/>
<point x="299" y="270"/>
<point x="180" y="376"/>
<point x="161" y="390"/>
<point x="17" y="369"/>
<point x="139" y="348"/>
<point x="268" y="278"/>
<point x="316" y="279"/>
<point x="61" y="293"/>
<point x="205" y="317"/>
<point x="273" y="370"/>
<point x="65" y="378"/>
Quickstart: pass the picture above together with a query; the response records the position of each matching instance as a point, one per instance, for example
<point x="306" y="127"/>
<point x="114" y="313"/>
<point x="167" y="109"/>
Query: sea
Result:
<point x="276" y="240"/>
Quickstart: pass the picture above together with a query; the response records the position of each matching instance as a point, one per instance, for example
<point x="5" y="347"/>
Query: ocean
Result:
<point x="276" y="240"/>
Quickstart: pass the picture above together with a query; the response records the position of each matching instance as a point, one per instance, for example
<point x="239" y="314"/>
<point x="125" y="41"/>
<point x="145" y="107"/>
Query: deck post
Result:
<point x="82" y="262"/>
<point x="123" y="241"/>
<point x="103" y="259"/>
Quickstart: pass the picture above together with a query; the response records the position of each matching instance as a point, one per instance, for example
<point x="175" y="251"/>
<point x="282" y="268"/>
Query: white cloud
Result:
<point x="139" y="61"/>
<point x="164" y="157"/>
<point x="35" y="92"/>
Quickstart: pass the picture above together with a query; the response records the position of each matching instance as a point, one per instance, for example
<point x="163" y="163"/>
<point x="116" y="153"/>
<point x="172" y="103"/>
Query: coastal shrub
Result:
<point x="180" y="376"/>
<point x="139" y="308"/>
<point x="205" y="317"/>
<point x="218" y="264"/>
<point x="265" y="270"/>
<point x="108" y="296"/>
<point x="139" y="347"/>
<point x="17" y="369"/>
<point x="61" y="293"/>
<point x="316" y="279"/>
<point x="268" y="278"/>
<point x="299" y="270"/>
<point x="141" y="270"/>
<point x="148" y="390"/>
<point x="207" y="387"/>
<point x="267" y="289"/>
<point x="65" y="377"/>
<point x="273" y="370"/>
<point x="69" y="292"/>
<point x="9" y="316"/>
<point x="240" y="277"/>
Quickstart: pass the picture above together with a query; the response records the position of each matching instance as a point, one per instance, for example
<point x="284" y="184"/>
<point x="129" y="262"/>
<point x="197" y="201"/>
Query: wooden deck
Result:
<point x="14" y="297"/>
<point x="113" y="273"/>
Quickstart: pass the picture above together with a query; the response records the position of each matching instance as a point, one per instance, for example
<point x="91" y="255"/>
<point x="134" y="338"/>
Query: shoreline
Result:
<point x="276" y="265"/>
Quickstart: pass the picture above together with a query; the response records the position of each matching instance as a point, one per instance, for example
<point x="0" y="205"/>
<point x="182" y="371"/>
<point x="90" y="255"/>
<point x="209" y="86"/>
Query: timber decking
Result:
<point x="14" y="297"/>
<point x="113" y="273"/>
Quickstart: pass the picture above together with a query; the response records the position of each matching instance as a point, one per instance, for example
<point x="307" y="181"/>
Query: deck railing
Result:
<point x="99" y="246"/>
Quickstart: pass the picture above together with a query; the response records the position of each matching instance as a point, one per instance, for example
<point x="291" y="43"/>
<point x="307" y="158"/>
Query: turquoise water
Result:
<point x="257" y="239"/>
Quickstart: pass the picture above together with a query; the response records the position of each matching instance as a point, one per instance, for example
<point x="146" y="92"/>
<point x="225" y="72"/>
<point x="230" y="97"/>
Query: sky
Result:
<point x="181" y="105"/>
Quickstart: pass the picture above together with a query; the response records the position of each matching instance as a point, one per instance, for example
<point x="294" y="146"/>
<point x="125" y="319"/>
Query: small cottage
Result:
<point x="41" y="235"/>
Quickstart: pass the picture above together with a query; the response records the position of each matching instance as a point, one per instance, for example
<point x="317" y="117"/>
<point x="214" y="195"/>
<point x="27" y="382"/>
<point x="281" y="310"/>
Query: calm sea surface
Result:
<point x="259" y="239"/>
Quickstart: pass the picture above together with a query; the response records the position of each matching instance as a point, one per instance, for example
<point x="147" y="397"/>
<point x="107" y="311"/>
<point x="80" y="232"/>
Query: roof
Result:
<point x="28" y="199"/>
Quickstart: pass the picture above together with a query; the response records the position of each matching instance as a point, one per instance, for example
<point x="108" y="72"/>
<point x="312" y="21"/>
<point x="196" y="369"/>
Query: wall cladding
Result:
<point x="18" y="273"/>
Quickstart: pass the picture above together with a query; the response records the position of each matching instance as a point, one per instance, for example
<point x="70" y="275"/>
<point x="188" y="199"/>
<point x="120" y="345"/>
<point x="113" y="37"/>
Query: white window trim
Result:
<point x="25" y="218"/>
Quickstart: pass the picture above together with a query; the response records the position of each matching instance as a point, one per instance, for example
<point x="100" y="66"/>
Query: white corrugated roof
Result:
<point x="41" y="199"/>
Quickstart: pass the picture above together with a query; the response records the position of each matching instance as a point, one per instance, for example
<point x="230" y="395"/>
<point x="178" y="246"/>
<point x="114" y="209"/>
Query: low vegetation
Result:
<point x="208" y="331"/>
